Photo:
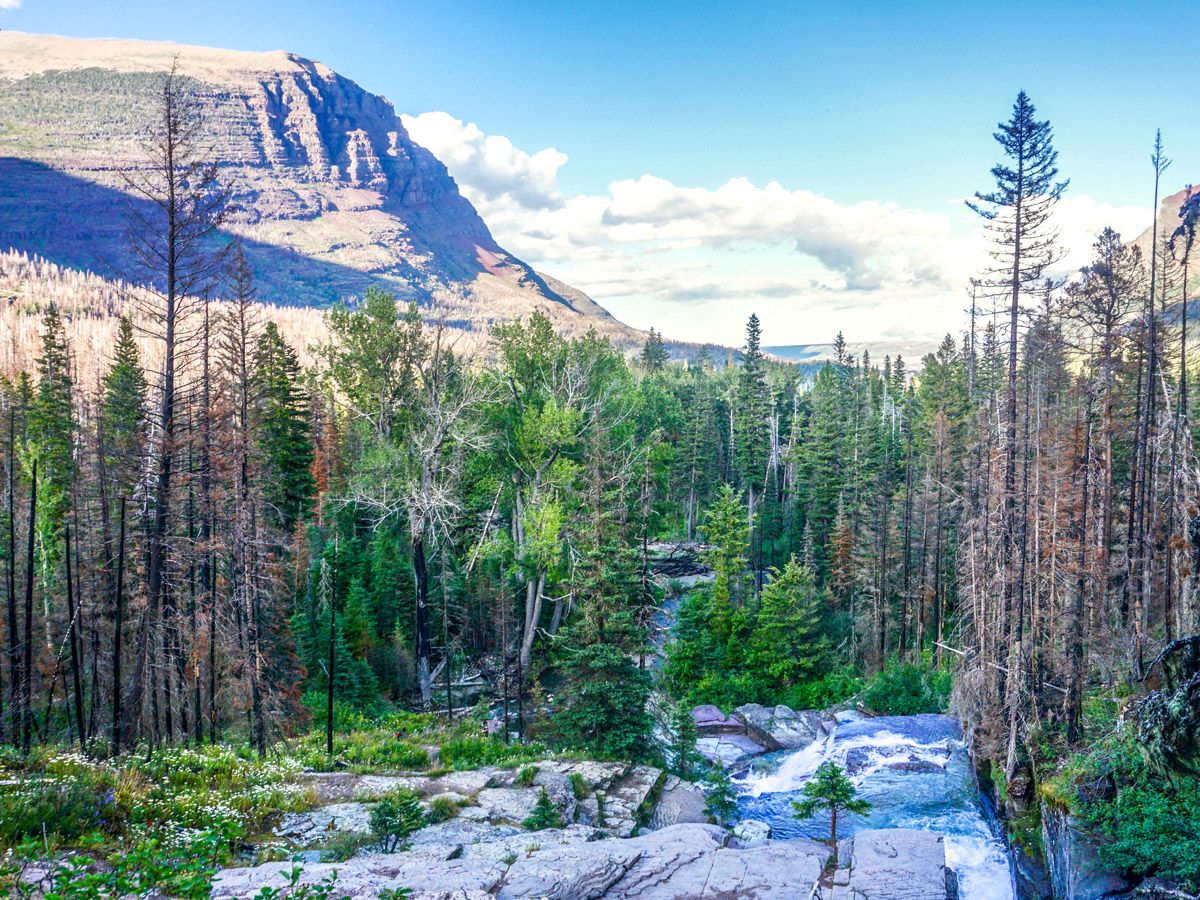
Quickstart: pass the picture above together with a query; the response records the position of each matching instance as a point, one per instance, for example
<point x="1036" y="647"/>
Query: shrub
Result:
<point x="68" y="807"/>
<point x="526" y="775"/>
<point x="721" y="798"/>
<point x="830" y="689"/>
<point x="441" y="809"/>
<point x="472" y="752"/>
<point x="1148" y="824"/>
<point x="579" y="786"/>
<point x="396" y="816"/>
<point x="545" y="814"/>
<point x="904" y="689"/>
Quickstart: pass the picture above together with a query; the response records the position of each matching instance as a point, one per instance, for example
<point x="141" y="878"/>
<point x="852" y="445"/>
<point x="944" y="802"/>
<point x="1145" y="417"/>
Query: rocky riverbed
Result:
<point x="628" y="831"/>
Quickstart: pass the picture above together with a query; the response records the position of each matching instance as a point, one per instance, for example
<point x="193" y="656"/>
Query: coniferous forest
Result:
<point x="219" y="546"/>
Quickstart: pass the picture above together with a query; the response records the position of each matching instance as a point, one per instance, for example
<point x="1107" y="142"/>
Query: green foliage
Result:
<point x="784" y="646"/>
<point x="771" y="654"/>
<point x="442" y="809"/>
<point x="905" y="689"/>
<point x="684" y="758"/>
<point x="545" y="814"/>
<point x="720" y="797"/>
<point x="342" y="845"/>
<point x="526" y="775"/>
<point x="151" y="865"/>
<point x="282" y="416"/>
<point x="1146" y="824"/>
<point x="369" y="749"/>
<point x="325" y="889"/>
<point x="829" y="790"/>
<point x="579" y="786"/>
<point x="605" y="711"/>
<point x="396" y="816"/>
<point x="834" y="687"/>
<point x="471" y="752"/>
<point x="654" y="353"/>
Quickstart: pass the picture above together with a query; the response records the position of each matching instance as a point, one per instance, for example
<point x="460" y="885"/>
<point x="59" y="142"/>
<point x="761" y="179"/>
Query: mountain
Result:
<point x="1168" y="221"/>
<point x="813" y="356"/>
<point x="331" y="193"/>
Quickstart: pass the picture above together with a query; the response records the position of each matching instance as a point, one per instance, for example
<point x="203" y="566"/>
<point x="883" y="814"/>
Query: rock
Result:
<point x="780" y="727"/>
<point x="310" y="827"/>
<point x="752" y="833"/>
<point x="710" y="720"/>
<point x="1076" y="871"/>
<point x="729" y="750"/>
<point x="627" y="801"/>
<point x="683" y="861"/>
<point x="513" y="805"/>
<point x="895" y="864"/>
<point x="502" y="805"/>
<point x="679" y="802"/>
<point x="366" y="876"/>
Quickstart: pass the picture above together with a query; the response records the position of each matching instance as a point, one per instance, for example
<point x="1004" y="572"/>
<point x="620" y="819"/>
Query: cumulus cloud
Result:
<point x="695" y="262"/>
<point x="10" y="4"/>
<point x="489" y="165"/>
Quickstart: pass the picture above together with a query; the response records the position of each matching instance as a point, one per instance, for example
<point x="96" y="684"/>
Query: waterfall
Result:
<point x="916" y="773"/>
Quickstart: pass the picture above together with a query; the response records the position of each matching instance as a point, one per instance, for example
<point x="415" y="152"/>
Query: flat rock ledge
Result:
<point x="892" y="864"/>
<point x="677" y="862"/>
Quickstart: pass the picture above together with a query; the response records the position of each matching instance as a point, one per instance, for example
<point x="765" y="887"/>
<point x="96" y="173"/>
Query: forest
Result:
<point x="216" y="543"/>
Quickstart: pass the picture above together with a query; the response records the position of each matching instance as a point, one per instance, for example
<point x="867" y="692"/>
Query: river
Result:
<point x="916" y="773"/>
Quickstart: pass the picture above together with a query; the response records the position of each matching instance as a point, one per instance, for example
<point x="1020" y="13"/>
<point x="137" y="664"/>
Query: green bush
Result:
<point x="579" y="786"/>
<point x="472" y="752"/>
<point x="905" y="689"/>
<point x="721" y="798"/>
<point x="526" y="775"/>
<point x="442" y="809"/>
<point x="1148" y="825"/>
<point x="376" y="749"/>
<point x="396" y="816"/>
<point x="68" y="808"/>
<point x="828" y="690"/>
<point x="545" y="814"/>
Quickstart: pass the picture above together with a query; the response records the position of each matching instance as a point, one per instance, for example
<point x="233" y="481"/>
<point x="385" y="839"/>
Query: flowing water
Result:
<point x="915" y="772"/>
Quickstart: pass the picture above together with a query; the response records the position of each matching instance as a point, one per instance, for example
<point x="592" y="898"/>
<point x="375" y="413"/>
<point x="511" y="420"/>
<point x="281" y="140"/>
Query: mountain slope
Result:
<point x="332" y="195"/>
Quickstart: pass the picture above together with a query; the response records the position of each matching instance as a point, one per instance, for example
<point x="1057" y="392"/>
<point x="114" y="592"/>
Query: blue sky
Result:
<point x="852" y="103"/>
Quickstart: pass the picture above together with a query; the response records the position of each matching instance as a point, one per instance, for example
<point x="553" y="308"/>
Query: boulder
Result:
<point x="679" y="802"/>
<point x="307" y="828"/>
<point x="710" y="720"/>
<point x="1076" y="871"/>
<point x="628" y="800"/>
<point x="781" y="727"/>
<point x="751" y="833"/>
<point x="729" y="750"/>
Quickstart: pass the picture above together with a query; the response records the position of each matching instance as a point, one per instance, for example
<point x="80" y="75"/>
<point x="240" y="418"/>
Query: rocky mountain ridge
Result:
<point x="332" y="194"/>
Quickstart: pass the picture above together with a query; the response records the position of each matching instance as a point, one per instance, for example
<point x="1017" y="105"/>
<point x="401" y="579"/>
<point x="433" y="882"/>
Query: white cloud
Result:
<point x="695" y="262"/>
<point x="489" y="164"/>
<point x="10" y="4"/>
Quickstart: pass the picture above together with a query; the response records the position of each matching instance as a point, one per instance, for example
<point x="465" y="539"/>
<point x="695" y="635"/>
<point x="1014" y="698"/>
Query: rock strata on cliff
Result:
<point x="332" y="194"/>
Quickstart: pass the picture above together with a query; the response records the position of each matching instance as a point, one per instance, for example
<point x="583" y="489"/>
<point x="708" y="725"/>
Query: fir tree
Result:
<point x="654" y="352"/>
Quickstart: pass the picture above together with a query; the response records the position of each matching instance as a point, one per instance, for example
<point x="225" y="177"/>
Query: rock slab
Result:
<point x="682" y="862"/>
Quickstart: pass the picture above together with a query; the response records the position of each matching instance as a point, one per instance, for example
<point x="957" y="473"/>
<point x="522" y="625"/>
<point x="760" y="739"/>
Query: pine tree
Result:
<point x="654" y="352"/>
<point x="785" y="646"/>
<point x="282" y="431"/>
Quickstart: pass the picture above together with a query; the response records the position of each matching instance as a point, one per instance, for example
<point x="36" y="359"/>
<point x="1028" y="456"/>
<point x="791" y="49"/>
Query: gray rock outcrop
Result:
<point x="683" y="861"/>
<point x="892" y="864"/>
<point x="1076" y="871"/>
<point x="783" y="728"/>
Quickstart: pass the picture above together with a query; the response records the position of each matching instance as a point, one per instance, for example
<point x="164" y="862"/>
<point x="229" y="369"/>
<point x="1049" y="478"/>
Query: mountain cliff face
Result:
<point x="332" y="195"/>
